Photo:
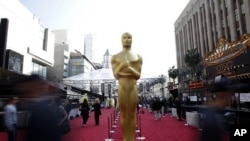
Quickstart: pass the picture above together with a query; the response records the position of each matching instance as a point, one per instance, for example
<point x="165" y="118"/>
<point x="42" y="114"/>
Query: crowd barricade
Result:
<point x="192" y="118"/>
<point x="174" y="112"/>
<point x="22" y="119"/>
<point x="74" y="112"/>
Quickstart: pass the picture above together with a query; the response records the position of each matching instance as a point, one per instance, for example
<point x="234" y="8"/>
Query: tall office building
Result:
<point x="61" y="59"/>
<point x="203" y="22"/>
<point x="88" y="46"/>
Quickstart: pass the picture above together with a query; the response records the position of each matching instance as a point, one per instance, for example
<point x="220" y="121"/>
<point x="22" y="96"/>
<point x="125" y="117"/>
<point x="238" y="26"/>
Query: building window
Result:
<point x="39" y="69"/>
<point x="65" y="74"/>
<point x="244" y="27"/>
<point x="236" y="15"/>
<point x="223" y="23"/>
<point x="65" y="66"/>
<point x="228" y="33"/>
<point x="241" y="2"/>
<point x="45" y="39"/>
<point x="242" y="9"/>
<point x="237" y="24"/>
<point x="234" y="4"/>
<point x="226" y="12"/>
<point x="238" y="34"/>
<point x="225" y="1"/>
<point x="228" y="20"/>
<point x="223" y="32"/>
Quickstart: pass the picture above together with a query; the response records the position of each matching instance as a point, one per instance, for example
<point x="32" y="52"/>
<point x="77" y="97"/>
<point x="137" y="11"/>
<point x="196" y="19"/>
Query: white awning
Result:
<point x="102" y="74"/>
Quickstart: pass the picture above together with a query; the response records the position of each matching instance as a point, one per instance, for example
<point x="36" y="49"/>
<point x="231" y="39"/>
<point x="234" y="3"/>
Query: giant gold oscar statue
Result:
<point x="126" y="67"/>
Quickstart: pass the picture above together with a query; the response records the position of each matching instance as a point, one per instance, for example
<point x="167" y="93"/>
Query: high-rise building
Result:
<point x="203" y="22"/>
<point x="61" y="59"/>
<point x="88" y="46"/>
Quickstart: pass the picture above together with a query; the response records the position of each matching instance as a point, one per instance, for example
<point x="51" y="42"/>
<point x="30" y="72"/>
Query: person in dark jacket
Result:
<point x="212" y="129"/>
<point x="157" y="107"/>
<point x="178" y="107"/>
<point x="85" y="112"/>
<point x="67" y="106"/>
<point x="97" y="111"/>
<point x="42" y="126"/>
<point x="42" y="122"/>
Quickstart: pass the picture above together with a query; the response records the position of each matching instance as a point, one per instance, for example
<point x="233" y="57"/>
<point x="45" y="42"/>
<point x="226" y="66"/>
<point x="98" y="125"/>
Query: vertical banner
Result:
<point x="109" y="88"/>
<point x="3" y="40"/>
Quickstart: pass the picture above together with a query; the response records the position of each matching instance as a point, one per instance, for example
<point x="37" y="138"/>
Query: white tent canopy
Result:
<point x="102" y="75"/>
<point x="97" y="77"/>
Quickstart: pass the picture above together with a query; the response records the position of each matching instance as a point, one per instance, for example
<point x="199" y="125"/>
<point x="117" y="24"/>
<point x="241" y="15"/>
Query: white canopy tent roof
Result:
<point x="96" y="77"/>
<point x="102" y="75"/>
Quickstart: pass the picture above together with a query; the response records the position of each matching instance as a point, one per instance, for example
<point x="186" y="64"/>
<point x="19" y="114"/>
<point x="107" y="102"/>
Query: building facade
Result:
<point x="29" y="46"/>
<point x="203" y="22"/>
<point x="61" y="56"/>
<point x="76" y="64"/>
<point x="219" y="30"/>
<point x="106" y="63"/>
<point x="61" y="63"/>
<point x="88" y="46"/>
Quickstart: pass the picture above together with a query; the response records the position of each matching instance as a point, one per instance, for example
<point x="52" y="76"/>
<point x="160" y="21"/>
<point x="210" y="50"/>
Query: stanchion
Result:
<point x="111" y="123"/>
<point x="114" y="121"/>
<point x="117" y="117"/>
<point x="137" y="124"/>
<point x="109" y="134"/>
<point x="186" y="124"/>
<point x="140" y="136"/>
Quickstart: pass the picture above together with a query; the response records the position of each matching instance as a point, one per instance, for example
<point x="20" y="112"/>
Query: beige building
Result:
<point x="203" y="22"/>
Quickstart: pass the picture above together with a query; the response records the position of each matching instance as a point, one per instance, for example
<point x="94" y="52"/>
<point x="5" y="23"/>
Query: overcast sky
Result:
<point x="151" y="23"/>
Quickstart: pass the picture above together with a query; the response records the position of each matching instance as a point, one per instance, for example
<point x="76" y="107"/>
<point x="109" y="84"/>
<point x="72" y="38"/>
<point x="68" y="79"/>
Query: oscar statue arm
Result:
<point x="116" y="67"/>
<point x="137" y="69"/>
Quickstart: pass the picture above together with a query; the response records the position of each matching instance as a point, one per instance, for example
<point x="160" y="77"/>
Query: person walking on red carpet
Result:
<point x="10" y="118"/>
<point x="97" y="111"/>
<point x="85" y="112"/>
<point x="178" y="107"/>
<point x="157" y="108"/>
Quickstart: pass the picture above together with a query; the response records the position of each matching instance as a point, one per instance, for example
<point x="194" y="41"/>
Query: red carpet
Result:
<point x="167" y="128"/>
<point x="90" y="132"/>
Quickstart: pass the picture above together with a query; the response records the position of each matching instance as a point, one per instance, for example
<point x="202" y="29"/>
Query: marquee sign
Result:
<point x="228" y="58"/>
<point x="226" y="51"/>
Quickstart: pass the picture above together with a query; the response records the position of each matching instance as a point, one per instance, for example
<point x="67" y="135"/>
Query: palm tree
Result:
<point x="173" y="73"/>
<point x="192" y="59"/>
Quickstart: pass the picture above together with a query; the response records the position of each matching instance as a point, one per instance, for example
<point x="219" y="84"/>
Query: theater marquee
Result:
<point x="229" y="58"/>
